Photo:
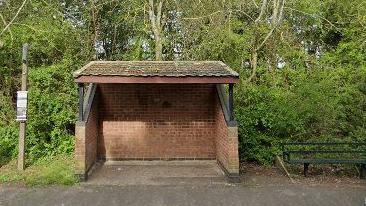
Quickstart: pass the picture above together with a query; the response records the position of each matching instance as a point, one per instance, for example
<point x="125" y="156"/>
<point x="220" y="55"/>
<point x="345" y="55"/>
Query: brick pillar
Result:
<point x="80" y="150"/>
<point x="233" y="160"/>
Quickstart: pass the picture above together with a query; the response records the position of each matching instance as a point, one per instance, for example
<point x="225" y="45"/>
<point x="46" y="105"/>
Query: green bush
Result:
<point x="8" y="143"/>
<point x="52" y="108"/>
<point x="57" y="48"/>
<point x="52" y="111"/>
<point x="306" y="106"/>
<point x="8" y="130"/>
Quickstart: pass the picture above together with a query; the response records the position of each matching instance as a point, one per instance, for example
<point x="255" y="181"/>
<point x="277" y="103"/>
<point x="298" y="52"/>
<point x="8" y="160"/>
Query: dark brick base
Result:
<point x="231" y="177"/>
<point x="154" y="159"/>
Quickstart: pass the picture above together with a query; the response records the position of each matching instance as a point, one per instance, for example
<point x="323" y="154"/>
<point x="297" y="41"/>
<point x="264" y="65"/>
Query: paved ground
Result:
<point x="185" y="195"/>
<point x="157" y="173"/>
<point x="186" y="185"/>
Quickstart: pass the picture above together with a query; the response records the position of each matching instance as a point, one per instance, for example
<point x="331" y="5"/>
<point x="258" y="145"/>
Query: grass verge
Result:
<point x="57" y="170"/>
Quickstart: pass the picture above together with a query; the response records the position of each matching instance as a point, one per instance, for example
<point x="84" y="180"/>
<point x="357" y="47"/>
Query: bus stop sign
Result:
<point x="22" y="106"/>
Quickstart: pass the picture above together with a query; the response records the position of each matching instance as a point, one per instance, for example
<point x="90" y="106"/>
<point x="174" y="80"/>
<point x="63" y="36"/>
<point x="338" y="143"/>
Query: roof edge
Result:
<point x="77" y="73"/>
<point x="234" y="73"/>
<point x="156" y="80"/>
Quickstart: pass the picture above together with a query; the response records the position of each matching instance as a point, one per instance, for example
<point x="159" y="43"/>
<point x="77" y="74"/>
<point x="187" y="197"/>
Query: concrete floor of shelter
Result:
<point x="124" y="173"/>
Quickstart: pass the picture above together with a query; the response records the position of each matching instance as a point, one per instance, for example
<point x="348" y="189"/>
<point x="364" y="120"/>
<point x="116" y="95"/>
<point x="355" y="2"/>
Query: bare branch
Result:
<point x="11" y="34"/>
<point x="15" y="16"/>
<point x="276" y="18"/>
<point x="255" y="4"/>
<point x="216" y="12"/>
<point x="280" y="17"/>
<point x="152" y="14"/>
<point x="312" y="15"/>
<point x="265" y="39"/>
<point x="158" y="16"/>
<point x="202" y="17"/>
<point x="276" y="4"/>
<point x="246" y="14"/>
<point x="151" y="9"/>
<point x="263" y="10"/>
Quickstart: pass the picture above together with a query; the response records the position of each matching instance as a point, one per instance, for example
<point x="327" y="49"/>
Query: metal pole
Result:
<point x="81" y="102"/>
<point x="231" y="101"/>
<point x="23" y="125"/>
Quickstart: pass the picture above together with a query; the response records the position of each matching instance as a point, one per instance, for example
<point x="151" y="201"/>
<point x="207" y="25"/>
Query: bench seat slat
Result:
<point x="324" y="143"/>
<point x="326" y="151"/>
<point x="326" y="161"/>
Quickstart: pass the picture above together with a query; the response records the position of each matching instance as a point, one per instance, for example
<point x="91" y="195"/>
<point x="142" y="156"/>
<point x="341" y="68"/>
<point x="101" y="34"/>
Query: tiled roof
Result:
<point x="156" y="69"/>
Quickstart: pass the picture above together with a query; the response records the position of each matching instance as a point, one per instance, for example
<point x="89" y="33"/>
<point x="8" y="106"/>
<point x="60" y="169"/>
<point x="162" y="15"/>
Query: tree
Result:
<point x="318" y="91"/>
<point x="157" y="26"/>
<point x="259" y="41"/>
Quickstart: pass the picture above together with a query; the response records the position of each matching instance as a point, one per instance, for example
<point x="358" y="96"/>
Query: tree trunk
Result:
<point x="254" y="63"/>
<point x="95" y="28"/>
<point x="156" y="25"/>
<point x="158" y="48"/>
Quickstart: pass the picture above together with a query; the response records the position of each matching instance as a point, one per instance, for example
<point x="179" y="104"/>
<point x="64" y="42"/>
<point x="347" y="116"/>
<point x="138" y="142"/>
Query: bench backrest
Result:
<point x="335" y="150"/>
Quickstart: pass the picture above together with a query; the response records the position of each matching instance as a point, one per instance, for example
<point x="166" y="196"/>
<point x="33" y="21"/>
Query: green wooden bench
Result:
<point x="325" y="153"/>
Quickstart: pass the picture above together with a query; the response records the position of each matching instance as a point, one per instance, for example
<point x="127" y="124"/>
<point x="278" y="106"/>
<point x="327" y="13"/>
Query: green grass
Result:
<point x="58" y="170"/>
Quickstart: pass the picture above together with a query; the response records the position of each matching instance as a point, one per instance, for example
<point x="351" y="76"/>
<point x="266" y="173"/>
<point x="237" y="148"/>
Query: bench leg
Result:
<point x="306" y="169"/>
<point x="363" y="171"/>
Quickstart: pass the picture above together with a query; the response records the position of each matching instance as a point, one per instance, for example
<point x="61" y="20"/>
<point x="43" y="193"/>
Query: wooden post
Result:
<point x="81" y="102"/>
<point x="23" y="124"/>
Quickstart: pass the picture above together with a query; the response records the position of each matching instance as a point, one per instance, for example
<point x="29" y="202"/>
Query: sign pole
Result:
<point x="23" y="124"/>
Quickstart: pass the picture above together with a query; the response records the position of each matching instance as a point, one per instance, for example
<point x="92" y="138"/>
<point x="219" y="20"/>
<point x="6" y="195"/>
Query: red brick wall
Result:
<point x="86" y="140"/>
<point x="157" y="121"/>
<point x="226" y="142"/>
<point x="91" y="137"/>
<point x="222" y="143"/>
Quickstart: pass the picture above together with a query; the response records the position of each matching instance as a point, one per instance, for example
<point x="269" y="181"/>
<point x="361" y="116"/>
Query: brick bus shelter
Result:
<point x="148" y="110"/>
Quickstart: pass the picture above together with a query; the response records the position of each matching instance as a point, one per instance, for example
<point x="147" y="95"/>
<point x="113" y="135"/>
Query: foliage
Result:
<point x="308" y="106"/>
<point x="50" y="129"/>
<point x="57" y="48"/>
<point x="50" y="126"/>
<point x="309" y="82"/>
<point x="45" y="171"/>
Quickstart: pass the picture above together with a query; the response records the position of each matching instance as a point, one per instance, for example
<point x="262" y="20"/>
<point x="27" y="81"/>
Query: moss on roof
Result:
<point x="156" y="68"/>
